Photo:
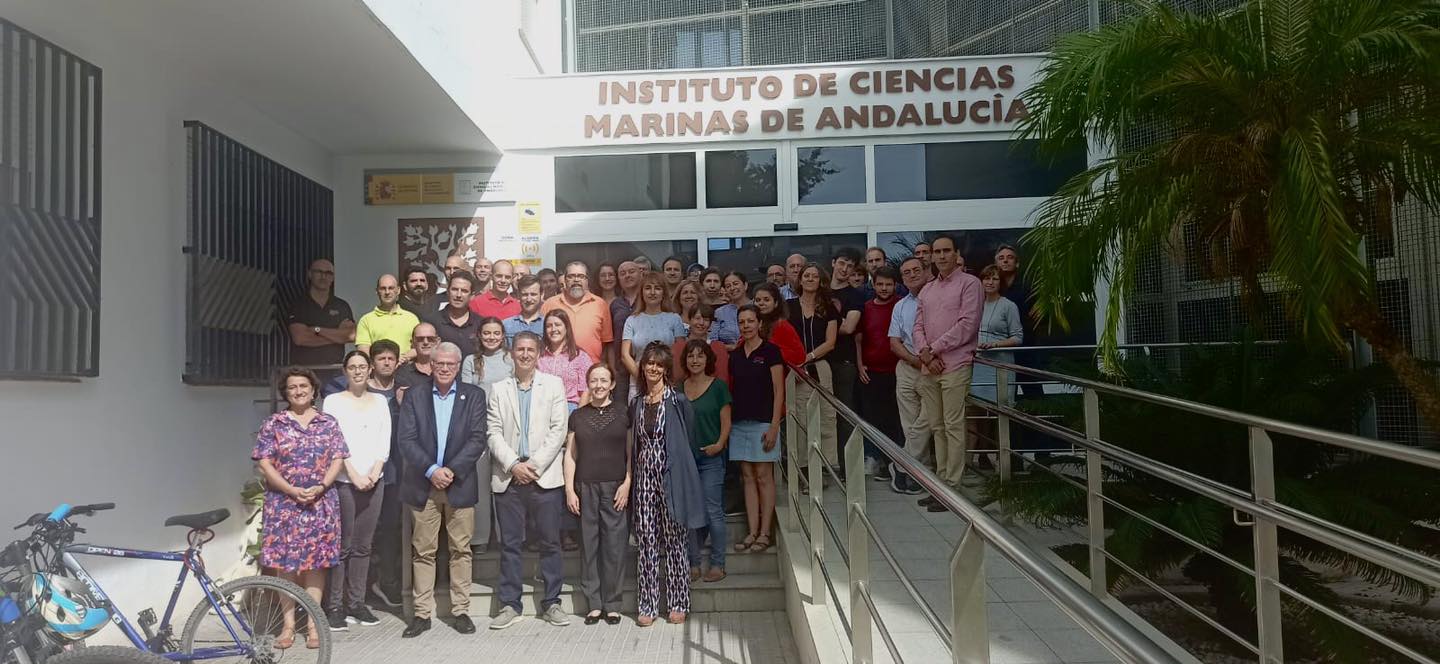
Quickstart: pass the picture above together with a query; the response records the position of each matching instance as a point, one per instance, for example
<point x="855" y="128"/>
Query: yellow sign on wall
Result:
<point x="529" y="213"/>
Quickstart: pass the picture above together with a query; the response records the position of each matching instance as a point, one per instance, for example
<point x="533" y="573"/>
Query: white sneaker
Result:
<point x="872" y="466"/>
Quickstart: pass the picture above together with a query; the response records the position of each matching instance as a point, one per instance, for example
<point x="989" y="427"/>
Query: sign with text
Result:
<point x="859" y="99"/>
<point x="432" y="187"/>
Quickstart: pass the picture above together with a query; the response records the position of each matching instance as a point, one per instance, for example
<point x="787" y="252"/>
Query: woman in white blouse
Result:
<point x="364" y="418"/>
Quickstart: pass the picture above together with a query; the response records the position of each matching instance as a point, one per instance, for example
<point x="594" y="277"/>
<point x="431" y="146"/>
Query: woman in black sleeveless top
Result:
<point x="597" y="489"/>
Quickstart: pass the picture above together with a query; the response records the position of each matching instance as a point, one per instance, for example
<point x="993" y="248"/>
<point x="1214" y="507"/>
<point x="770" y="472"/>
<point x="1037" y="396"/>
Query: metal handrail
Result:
<point x="1260" y="503"/>
<point x="1413" y="455"/>
<point x="1103" y="623"/>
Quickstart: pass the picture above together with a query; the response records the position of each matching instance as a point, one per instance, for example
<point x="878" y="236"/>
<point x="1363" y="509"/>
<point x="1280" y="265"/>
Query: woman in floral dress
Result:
<point x="300" y="452"/>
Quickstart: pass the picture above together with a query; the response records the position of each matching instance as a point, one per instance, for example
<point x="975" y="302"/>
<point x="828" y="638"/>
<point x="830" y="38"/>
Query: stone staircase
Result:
<point x="752" y="583"/>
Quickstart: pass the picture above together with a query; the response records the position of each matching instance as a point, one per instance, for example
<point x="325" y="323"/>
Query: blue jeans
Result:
<point x="712" y="481"/>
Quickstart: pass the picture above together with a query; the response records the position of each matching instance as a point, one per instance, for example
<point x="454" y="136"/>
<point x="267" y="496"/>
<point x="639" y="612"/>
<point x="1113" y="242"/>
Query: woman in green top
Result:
<point x="710" y="399"/>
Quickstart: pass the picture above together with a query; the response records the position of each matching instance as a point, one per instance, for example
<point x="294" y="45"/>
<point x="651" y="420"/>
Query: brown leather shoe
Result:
<point x="694" y="574"/>
<point x="714" y="574"/>
<point x="677" y="618"/>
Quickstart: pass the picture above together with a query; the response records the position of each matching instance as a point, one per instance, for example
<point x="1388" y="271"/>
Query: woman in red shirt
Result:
<point x="774" y="326"/>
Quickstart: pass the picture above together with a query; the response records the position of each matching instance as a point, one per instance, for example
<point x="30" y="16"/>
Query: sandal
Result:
<point x="676" y="618"/>
<point x="714" y="574"/>
<point x="612" y="618"/>
<point x="645" y="621"/>
<point x="757" y="547"/>
<point x="592" y="617"/>
<point x="312" y="639"/>
<point x="285" y="640"/>
<point x="741" y="547"/>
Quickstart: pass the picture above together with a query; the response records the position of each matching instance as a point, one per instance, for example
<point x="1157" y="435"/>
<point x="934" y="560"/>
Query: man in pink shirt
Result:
<point x="947" y="327"/>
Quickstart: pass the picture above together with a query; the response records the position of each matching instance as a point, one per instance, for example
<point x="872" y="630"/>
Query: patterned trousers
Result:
<point x="656" y="534"/>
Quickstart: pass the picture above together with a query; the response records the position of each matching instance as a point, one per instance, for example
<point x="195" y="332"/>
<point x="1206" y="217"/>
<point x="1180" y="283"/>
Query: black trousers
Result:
<point x="877" y="405"/>
<point x="604" y="535"/>
<point x="843" y="377"/>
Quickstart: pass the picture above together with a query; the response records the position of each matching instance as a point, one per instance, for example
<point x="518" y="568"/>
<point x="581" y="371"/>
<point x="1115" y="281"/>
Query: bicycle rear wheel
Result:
<point x="252" y="617"/>
<point x="106" y="655"/>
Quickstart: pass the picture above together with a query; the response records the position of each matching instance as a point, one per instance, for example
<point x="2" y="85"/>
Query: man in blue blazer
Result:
<point x="442" y="434"/>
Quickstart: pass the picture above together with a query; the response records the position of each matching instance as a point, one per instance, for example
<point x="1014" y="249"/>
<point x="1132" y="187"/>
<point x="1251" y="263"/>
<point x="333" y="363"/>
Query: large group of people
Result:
<point x="643" y="404"/>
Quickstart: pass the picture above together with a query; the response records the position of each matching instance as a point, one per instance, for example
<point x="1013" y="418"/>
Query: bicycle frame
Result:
<point x="189" y="564"/>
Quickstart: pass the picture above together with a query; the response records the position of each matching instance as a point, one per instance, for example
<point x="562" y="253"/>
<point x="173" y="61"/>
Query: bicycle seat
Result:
<point x="199" y="521"/>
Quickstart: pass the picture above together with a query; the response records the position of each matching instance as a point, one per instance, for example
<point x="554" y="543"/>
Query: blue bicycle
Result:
<point x="55" y="603"/>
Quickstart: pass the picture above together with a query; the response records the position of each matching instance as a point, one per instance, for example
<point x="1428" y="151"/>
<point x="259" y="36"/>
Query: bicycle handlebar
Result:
<point x="64" y="511"/>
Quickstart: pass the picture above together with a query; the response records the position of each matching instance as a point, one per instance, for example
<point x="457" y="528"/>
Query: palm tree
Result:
<point x="1288" y="129"/>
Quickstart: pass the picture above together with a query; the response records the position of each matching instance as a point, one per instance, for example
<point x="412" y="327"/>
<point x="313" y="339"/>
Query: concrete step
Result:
<point x="486" y="566"/>
<point x="735" y="593"/>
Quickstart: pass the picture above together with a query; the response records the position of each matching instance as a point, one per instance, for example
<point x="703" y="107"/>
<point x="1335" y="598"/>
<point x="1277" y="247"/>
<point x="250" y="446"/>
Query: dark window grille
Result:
<point x="49" y="209"/>
<point x="254" y="227"/>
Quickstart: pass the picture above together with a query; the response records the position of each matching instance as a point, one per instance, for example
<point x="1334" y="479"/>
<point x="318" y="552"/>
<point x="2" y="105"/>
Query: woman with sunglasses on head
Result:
<point x="667" y="496"/>
<point x="816" y="316"/>
<point x="650" y="322"/>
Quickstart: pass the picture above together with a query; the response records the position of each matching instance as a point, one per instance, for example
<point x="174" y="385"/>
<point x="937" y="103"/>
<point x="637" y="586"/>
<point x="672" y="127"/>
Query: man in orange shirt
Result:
<point x="589" y="315"/>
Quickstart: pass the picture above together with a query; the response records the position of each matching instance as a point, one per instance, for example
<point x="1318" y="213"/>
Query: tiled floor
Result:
<point x="706" y="638"/>
<point x="1024" y="626"/>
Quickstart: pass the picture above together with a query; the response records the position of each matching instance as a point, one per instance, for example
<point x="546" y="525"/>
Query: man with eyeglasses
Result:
<point x="423" y="341"/>
<point x="775" y="274"/>
<point x="911" y="384"/>
<point x="320" y="324"/>
<point x="794" y="265"/>
<point x="442" y="435"/>
<point x="589" y="315"/>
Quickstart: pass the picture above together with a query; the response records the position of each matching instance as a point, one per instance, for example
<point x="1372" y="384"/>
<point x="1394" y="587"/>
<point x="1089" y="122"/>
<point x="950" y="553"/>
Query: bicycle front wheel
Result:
<point x="251" y="624"/>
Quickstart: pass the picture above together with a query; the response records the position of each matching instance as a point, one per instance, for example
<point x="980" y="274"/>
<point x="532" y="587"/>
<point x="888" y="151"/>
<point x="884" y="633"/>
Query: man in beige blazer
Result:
<point x="528" y="417"/>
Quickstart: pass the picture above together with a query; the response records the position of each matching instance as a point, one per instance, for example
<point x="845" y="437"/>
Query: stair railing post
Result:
<point x="1095" y="503"/>
<point x="857" y="540"/>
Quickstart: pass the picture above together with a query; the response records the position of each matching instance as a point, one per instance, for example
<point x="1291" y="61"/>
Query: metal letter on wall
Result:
<point x="49" y="209"/>
<point x="254" y="227"/>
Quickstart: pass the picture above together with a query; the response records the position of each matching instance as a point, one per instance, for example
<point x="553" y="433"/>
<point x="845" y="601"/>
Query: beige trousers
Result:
<point x="804" y="395"/>
<point x="945" y="408"/>
<point x="459" y="524"/>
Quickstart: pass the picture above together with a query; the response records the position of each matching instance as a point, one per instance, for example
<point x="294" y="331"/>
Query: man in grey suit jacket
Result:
<point x="441" y="436"/>
<point x="527" y="421"/>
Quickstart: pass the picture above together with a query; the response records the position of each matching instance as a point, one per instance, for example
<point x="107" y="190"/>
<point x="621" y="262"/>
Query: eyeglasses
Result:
<point x="426" y="340"/>
<point x="444" y="365"/>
